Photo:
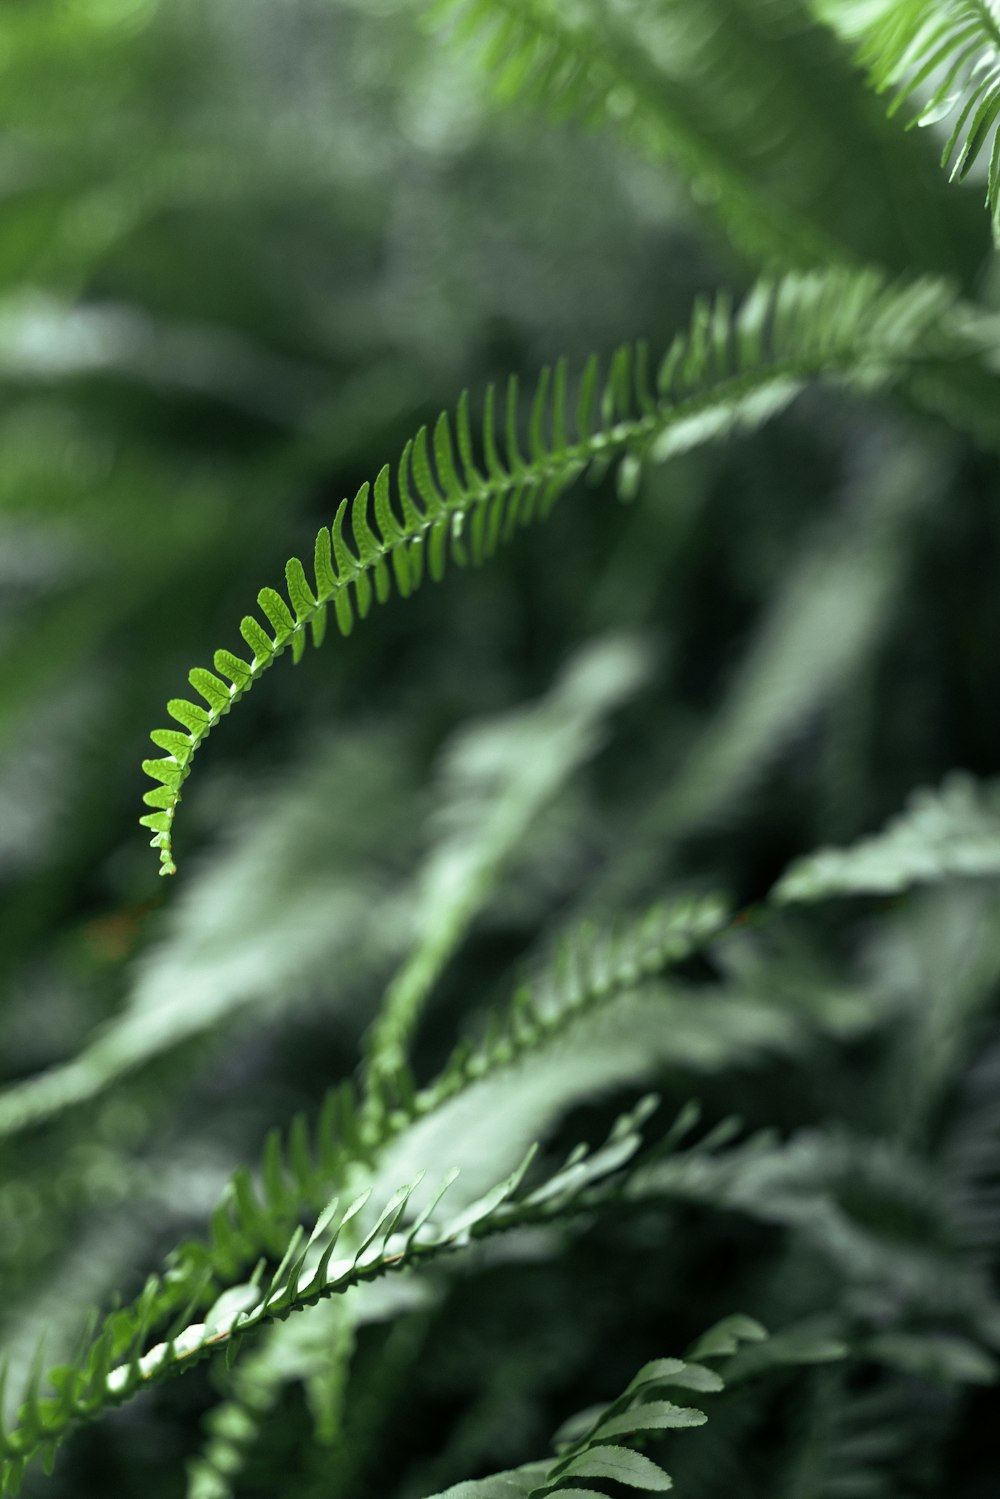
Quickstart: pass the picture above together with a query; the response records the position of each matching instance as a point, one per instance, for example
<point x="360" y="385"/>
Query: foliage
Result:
<point x="567" y="960"/>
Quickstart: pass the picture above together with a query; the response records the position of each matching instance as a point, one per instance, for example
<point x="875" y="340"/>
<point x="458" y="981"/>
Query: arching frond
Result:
<point x="944" y="54"/>
<point x="944" y="834"/>
<point x="729" y="373"/>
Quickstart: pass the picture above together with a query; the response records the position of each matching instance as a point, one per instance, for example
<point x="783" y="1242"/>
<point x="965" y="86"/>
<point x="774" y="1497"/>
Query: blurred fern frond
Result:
<point x="946" y="834"/>
<point x="574" y="62"/>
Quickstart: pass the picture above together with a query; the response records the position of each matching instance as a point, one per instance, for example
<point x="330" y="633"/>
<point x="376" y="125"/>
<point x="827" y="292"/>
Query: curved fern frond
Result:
<point x="945" y="52"/>
<point x="115" y="1367"/>
<point x="729" y="372"/>
<point x="946" y="834"/>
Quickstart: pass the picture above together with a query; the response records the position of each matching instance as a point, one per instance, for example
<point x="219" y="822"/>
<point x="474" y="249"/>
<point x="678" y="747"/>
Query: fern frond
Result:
<point x="729" y="373"/>
<point x="946" y="52"/>
<point x="593" y="968"/>
<point x="260" y="1212"/>
<point x="115" y="1368"/>
<point x="946" y="834"/>
<point x="595" y="1444"/>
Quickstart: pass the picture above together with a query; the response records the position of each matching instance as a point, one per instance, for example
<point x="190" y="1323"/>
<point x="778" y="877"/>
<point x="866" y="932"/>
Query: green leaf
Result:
<point x="194" y="718"/>
<point x="633" y="1469"/>
<point x="257" y="639"/>
<point x="656" y="1415"/>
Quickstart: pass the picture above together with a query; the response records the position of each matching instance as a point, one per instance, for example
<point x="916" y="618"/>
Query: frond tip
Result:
<point x="729" y="372"/>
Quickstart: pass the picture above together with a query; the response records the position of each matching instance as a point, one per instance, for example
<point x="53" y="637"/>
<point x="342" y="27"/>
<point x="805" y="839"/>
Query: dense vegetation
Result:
<point x="567" y="1052"/>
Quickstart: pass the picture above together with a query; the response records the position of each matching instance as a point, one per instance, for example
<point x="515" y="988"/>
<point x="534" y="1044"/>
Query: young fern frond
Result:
<point x="729" y="372"/>
<point x="946" y="50"/>
<point x="946" y="834"/>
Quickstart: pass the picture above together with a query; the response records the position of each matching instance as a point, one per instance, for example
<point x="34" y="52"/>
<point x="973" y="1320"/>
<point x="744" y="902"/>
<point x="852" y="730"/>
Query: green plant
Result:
<point x="835" y="1009"/>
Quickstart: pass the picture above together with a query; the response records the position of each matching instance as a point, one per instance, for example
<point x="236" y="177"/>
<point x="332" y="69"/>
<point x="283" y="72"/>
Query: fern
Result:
<point x="500" y="779"/>
<point x="577" y="63"/>
<point x="947" y="51"/>
<point x="294" y="901"/>
<point x="595" y="1444"/>
<point x="301" y="1167"/>
<point x="115" y="1368"/>
<point x="729" y="373"/>
<point x="953" y="832"/>
<point x="297" y="1173"/>
<point x="402" y="1222"/>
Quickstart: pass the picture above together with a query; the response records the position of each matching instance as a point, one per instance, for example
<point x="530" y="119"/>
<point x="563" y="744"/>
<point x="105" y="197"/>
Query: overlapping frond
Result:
<point x="942" y="57"/>
<point x="115" y="1367"/>
<point x="302" y="1166"/>
<point x="258" y="1218"/>
<point x="459" y="497"/>
<point x="497" y="779"/>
